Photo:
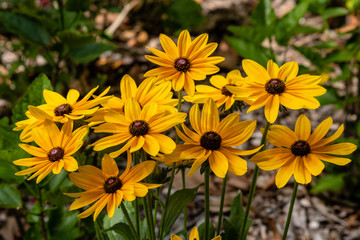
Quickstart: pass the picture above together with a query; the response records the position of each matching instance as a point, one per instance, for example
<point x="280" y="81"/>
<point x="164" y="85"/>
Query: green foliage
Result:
<point x="123" y="230"/>
<point x="77" y="6"/>
<point x="233" y="225"/>
<point x="88" y="52"/>
<point x="332" y="182"/>
<point x="211" y="232"/>
<point x="26" y="27"/>
<point x="33" y="96"/>
<point x="9" y="196"/>
<point x="183" y="14"/>
<point x="176" y="204"/>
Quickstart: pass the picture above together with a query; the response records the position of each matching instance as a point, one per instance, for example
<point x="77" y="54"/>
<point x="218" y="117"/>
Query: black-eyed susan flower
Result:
<point x="185" y="62"/>
<point x="55" y="150"/>
<point x="138" y="128"/>
<point x="106" y="188"/>
<point x="219" y="92"/>
<point x="145" y="93"/>
<point x="214" y="141"/>
<point x="62" y="109"/>
<point x="301" y="153"/>
<point x="194" y="235"/>
<point x="276" y="86"/>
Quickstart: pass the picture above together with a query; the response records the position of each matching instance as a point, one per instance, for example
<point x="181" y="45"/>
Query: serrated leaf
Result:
<point x="25" y="26"/>
<point x="33" y="96"/>
<point x="175" y="206"/>
<point x="89" y="52"/>
<point x="9" y="196"/>
<point x="286" y="26"/>
<point x="333" y="182"/>
<point x="249" y="50"/>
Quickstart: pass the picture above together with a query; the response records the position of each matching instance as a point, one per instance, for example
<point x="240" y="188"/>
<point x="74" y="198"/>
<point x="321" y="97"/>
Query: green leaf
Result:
<point x="247" y="49"/>
<point x="250" y="33"/>
<point x="318" y="6"/>
<point x="327" y="45"/>
<point x="176" y="204"/>
<point x="286" y="26"/>
<point x="230" y="232"/>
<point x="183" y="14"/>
<point x="264" y="15"/>
<point x="332" y="182"/>
<point x="311" y="54"/>
<point x="334" y="12"/>
<point x="76" y="5"/>
<point x="344" y="55"/>
<point x="123" y="230"/>
<point x="302" y="29"/>
<point x="201" y="230"/>
<point x="62" y="224"/>
<point x="75" y="39"/>
<point x="25" y="26"/>
<point x="9" y="196"/>
<point x="90" y="51"/>
<point x="330" y="97"/>
<point x="8" y="138"/>
<point x="33" y="96"/>
<point x="8" y="169"/>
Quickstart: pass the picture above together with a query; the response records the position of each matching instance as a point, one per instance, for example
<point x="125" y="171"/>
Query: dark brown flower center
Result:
<point x="210" y="141"/>
<point x="182" y="64"/>
<point x="139" y="128"/>
<point x="275" y="86"/>
<point x="300" y="148"/>
<point x="112" y="184"/>
<point x="226" y="92"/>
<point x="63" y="109"/>
<point x="56" y="154"/>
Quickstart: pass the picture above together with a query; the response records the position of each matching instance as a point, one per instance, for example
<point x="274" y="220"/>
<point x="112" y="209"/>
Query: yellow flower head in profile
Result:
<point x="219" y="92"/>
<point x="301" y="153"/>
<point x="55" y="150"/>
<point x="276" y="86"/>
<point x="145" y="93"/>
<point x="194" y="235"/>
<point x="214" y="140"/>
<point x="62" y="109"/>
<point x="106" y="188"/>
<point x="138" y="128"/>
<point x="184" y="63"/>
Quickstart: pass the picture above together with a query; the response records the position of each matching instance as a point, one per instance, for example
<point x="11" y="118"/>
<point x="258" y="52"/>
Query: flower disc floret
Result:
<point x="139" y="128"/>
<point x="62" y="109"/>
<point x="182" y="64"/>
<point x="226" y="92"/>
<point x="112" y="184"/>
<point x="300" y="148"/>
<point x="275" y="86"/>
<point x="56" y="154"/>
<point x="210" y="141"/>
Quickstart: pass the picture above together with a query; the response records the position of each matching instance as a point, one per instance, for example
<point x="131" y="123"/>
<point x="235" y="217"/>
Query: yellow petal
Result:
<point x="102" y="203"/>
<point x="332" y="159"/>
<point x="194" y="116"/>
<point x="132" y="110"/>
<point x="272" y="159"/>
<point x="151" y="145"/>
<point x="168" y="46"/>
<point x="281" y="136"/>
<point x="218" y="81"/>
<point x="53" y="98"/>
<point x="140" y="190"/>
<point x="196" y="165"/>
<point x="255" y="71"/>
<point x="301" y="174"/>
<point x="194" y="234"/>
<point x="303" y="127"/>
<point x="109" y="166"/>
<point x="210" y="116"/>
<point x="237" y="165"/>
<point x="337" y="149"/>
<point x="189" y="85"/>
<point x="167" y="145"/>
<point x="288" y="71"/>
<point x="139" y="172"/>
<point x="273" y="69"/>
<point x="320" y="131"/>
<point x="72" y="96"/>
<point x="58" y="166"/>
<point x="183" y="43"/>
<point x="313" y="164"/>
<point x="272" y="108"/>
<point x="174" y="237"/>
<point x="137" y="143"/>
<point x="128" y="87"/>
<point x="35" y="151"/>
<point x="86" y="199"/>
<point x="285" y="172"/>
<point x="218" y="163"/>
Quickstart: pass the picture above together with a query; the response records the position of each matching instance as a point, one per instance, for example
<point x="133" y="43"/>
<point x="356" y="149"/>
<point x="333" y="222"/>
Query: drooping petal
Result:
<point x="303" y="127"/>
<point x="218" y="163"/>
<point x="285" y="172"/>
<point x="313" y="164"/>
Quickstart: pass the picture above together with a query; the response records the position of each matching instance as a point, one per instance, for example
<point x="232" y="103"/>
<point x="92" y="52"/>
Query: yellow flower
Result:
<point x="219" y="93"/>
<point x="194" y="235"/>
<point x="300" y="153"/>
<point x="106" y="188"/>
<point x="214" y="140"/>
<point x="184" y="63"/>
<point x="147" y="92"/>
<point x="54" y="153"/>
<point x="62" y="109"/>
<point x="276" y="86"/>
<point x="139" y="128"/>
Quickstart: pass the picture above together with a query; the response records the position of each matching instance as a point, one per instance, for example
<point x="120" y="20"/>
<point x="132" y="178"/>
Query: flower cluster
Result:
<point x="139" y="122"/>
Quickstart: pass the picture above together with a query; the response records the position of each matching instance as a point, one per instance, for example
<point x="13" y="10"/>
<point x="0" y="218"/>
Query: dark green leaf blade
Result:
<point x="9" y="196"/>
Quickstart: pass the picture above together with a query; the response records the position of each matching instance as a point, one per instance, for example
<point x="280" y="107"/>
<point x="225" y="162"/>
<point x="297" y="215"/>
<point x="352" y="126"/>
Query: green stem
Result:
<point x="98" y="231"/>
<point x="148" y="218"/>
<point x="221" y="204"/>
<point x="184" y="211"/>
<point x="172" y="175"/>
<point x="156" y="205"/>
<point x="288" y="220"/>
<point x="137" y="217"/>
<point x="253" y="183"/>
<point x="207" y="202"/>
<point x="61" y="11"/>
<point x="128" y="219"/>
<point x="42" y="216"/>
